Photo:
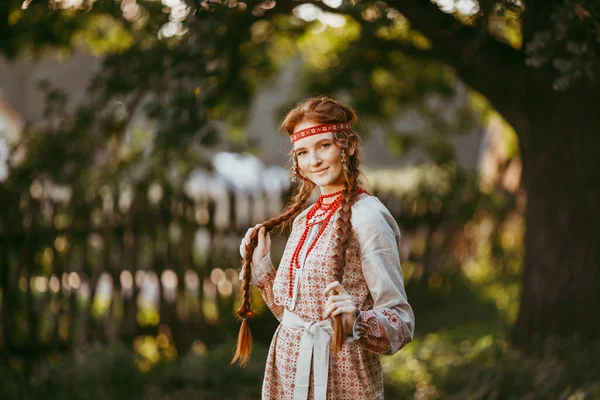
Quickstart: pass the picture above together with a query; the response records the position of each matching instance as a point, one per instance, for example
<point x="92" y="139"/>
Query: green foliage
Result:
<point x="212" y="376"/>
<point x="98" y="372"/>
<point x="105" y="34"/>
<point x="178" y="83"/>
<point x="110" y="372"/>
<point x="467" y="359"/>
<point x="450" y="366"/>
<point x="461" y="349"/>
<point x="188" y="69"/>
<point x="569" y="45"/>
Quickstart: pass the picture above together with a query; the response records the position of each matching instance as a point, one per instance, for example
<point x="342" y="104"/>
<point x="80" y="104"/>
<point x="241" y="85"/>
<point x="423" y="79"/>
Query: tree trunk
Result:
<point x="560" y="146"/>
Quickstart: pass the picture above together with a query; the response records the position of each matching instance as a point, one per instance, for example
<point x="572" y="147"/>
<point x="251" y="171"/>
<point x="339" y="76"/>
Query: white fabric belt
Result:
<point x="315" y="342"/>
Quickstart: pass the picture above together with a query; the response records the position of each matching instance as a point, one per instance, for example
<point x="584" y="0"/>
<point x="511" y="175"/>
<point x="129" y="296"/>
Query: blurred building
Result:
<point x="22" y="102"/>
<point x="266" y="114"/>
<point x="11" y="122"/>
<point x="11" y="127"/>
<point x="20" y="81"/>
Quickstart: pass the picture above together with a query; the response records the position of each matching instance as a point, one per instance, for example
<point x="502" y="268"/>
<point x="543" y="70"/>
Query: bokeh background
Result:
<point x="139" y="140"/>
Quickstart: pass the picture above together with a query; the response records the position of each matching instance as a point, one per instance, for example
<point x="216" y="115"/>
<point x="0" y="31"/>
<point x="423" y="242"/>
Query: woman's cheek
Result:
<point x="302" y="167"/>
<point x="334" y="154"/>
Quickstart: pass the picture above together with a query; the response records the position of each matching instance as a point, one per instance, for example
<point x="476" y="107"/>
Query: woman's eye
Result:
<point x="325" y="145"/>
<point x="300" y="154"/>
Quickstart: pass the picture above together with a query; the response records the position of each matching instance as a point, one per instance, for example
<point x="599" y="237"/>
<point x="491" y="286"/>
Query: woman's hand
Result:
<point x="339" y="302"/>
<point x="264" y="244"/>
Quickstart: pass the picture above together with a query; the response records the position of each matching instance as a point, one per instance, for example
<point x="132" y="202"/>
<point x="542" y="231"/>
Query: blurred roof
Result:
<point x="240" y="172"/>
<point x="11" y="123"/>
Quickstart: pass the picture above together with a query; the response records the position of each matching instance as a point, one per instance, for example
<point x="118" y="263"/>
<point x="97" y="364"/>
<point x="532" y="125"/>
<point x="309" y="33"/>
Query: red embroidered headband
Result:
<point x="315" y="130"/>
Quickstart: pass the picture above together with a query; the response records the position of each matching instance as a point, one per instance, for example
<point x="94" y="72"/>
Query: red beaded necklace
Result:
<point x="311" y="219"/>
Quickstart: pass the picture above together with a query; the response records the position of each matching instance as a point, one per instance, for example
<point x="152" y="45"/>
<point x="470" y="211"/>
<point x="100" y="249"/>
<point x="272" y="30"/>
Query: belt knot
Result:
<point x="313" y="344"/>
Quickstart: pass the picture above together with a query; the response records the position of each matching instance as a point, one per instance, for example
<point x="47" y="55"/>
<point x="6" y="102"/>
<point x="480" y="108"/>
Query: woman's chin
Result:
<point x="321" y="182"/>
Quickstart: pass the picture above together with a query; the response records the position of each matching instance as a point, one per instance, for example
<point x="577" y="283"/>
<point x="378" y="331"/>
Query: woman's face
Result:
<point x="319" y="159"/>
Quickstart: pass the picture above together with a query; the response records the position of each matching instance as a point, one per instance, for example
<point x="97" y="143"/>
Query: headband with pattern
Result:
<point x="317" y="129"/>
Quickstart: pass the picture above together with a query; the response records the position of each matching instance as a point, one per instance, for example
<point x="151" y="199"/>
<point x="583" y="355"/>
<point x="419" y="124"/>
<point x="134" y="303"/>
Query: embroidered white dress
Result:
<point x="372" y="276"/>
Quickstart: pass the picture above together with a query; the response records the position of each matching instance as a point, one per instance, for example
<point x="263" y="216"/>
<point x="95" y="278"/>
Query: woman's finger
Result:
<point x="344" y="310"/>
<point x="336" y="305"/>
<point x="249" y="232"/>
<point x="330" y="287"/>
<point x="251" y="229"/>
<point x="243" y="245"/>
<point x="246" y="240"/>
<point x="336" y="298"/>
<point x="261" y="238"/>
<point x="328" y="311"/>
<point x="339" y="297"/>
<point x="335" y="286"/>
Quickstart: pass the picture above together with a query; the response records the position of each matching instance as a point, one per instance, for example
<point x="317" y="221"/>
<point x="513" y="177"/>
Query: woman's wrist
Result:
<point x="350" y="330"/>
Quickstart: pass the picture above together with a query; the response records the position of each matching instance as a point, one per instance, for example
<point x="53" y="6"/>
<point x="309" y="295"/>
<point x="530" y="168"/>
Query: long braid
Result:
<point x="343" y="232"/>
<point x="245" y="311"/>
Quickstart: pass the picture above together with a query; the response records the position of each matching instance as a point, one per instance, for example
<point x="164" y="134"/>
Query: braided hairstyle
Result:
<point x="323" y="110"/>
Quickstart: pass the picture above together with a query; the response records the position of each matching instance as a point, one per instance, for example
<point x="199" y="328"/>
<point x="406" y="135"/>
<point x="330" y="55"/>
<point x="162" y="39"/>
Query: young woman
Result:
<point x="339" y="285"/>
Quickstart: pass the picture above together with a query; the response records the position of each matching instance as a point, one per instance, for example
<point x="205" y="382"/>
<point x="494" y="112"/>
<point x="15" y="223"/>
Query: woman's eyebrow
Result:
<point x="316" y="144"/>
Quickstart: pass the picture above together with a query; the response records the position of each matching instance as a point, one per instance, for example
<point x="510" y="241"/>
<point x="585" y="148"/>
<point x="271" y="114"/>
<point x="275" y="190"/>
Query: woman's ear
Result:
<point x="352" y="149"/>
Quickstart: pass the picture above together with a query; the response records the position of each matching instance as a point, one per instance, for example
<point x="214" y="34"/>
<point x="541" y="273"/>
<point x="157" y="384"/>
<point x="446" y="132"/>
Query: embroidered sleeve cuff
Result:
<point x="260" y="270"/>
<point x="370" y="334"/>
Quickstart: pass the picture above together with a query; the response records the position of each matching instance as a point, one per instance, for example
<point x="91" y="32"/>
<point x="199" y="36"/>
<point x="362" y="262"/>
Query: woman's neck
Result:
<point x="325" y="190"/>
<point x="329" y="191"/>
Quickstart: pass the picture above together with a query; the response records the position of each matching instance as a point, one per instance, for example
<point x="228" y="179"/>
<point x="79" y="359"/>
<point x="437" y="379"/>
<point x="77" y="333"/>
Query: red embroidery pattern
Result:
<point x="394" y="319"/>
<point x="355" y="373"/>
<point x="370" y="332"/>
<point x="315" y="130"/>
<point x="265" y="286"/>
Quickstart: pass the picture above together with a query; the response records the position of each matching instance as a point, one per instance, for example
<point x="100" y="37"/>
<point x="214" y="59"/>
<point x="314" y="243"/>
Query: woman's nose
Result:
<point x="315" y="159"/>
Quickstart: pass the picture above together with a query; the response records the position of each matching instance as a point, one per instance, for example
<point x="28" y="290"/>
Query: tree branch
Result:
<point x="457" y="41"/>
<point x="408" y="50"/>
<point x="489" y="66"/>
<point x="285" y="7"/>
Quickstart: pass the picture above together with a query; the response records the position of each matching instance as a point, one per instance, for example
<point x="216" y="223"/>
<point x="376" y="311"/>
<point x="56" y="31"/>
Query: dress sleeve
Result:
<point x="389" y="325"/>
<point x="263" y="276"/>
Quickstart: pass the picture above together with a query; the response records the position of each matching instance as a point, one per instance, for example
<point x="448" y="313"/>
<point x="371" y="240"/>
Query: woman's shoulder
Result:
<point x="368" y="207"/>
<point x="369" y="213"/>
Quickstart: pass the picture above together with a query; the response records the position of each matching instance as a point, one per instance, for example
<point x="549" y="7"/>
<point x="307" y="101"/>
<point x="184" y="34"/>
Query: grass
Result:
<point x="460" y="351"/>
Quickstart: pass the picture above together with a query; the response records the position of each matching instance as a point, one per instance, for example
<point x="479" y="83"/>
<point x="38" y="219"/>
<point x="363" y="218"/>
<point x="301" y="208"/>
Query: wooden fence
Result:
<point x="128" y="262"/>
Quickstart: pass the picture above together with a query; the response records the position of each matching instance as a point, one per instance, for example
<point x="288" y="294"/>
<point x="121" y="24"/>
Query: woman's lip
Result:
<point x="319" y="171"/>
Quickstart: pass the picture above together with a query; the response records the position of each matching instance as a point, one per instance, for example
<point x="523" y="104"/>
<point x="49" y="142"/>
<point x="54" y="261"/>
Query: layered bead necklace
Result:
<point x="312" y="218"/>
